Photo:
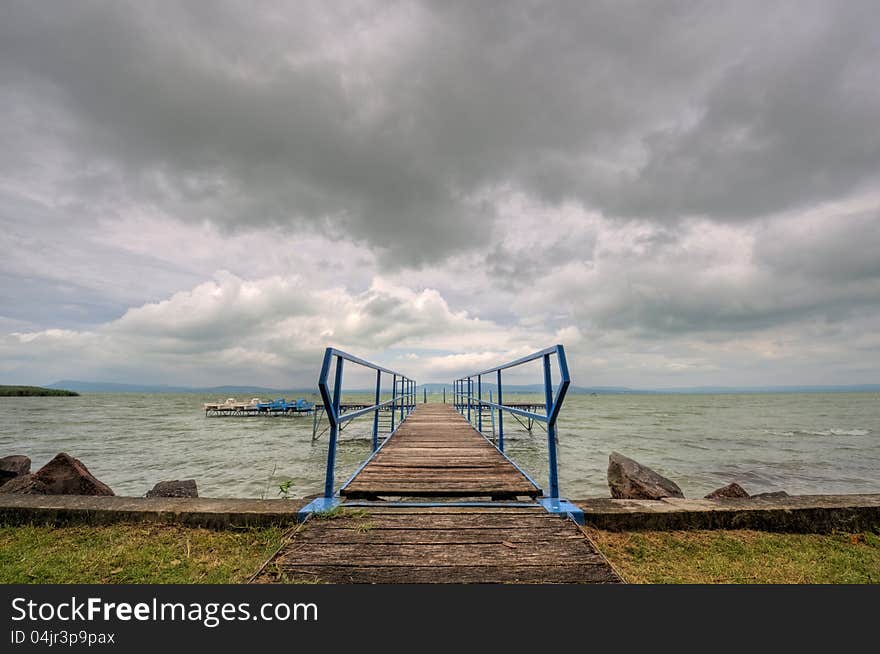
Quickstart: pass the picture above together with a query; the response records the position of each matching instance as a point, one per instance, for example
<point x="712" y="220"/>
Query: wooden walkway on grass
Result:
<point x="438" y="545"/>
<point x="436" y="453"/>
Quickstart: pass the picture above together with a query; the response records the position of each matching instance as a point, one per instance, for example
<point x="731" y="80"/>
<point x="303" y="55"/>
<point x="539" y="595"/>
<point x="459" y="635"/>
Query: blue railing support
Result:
<point x="552" y="406"/>
<point x="500" y="416"/>
<point x="376" y="411"/>
<point x="334" y="430"/>
<point x="480" y="403"/>
<point x="403" y="397"/>
<point x="551" y="430"/>
<point x="332" y="404"/>
<point x="393" y="400"/>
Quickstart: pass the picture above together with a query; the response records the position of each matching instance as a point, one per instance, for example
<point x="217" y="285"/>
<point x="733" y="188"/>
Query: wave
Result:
<point x="838" y="432"/>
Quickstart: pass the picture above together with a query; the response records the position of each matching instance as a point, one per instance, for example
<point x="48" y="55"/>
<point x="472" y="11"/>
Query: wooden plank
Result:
<point x="415" y="475"/>
<point x="512" y="512"/>
<point x="415" y="464"/>
<point x="430" y="490"/>
<point x="480" y="487"/>
<point x="487" y="536"/>
<point x="542" y="553"/>
<point x="442" y="523"/>
<point x="484" y="574"/>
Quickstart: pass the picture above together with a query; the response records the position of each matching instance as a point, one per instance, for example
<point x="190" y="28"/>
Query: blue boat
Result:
<point x="281" y="405"/>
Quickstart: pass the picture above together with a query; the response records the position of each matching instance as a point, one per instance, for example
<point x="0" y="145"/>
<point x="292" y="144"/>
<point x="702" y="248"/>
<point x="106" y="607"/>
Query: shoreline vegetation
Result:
<point x="140" y="554"/>
<point x="35" y="391"/>
<point x="132" y="554"/>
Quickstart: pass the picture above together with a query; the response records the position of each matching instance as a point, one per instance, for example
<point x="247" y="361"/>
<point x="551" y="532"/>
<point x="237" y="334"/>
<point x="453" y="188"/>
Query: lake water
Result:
<point x="801" y="443"/>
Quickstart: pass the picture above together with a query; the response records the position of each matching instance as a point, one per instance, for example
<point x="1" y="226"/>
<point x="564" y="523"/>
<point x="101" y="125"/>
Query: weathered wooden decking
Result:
<point x="438" y="545"/>
<point x="436" y="453"/>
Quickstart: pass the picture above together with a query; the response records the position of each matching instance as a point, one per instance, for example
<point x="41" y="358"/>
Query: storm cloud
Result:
<point x="684" y="192"/>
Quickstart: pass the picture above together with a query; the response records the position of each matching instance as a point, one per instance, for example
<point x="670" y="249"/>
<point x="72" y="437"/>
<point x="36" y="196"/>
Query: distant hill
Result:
<point x="524" y="389"/>
<point x="623" y="390"/>
<point x="111" y="387"/>
<point x="35" y="391"/>
<point x="434" y="387"/>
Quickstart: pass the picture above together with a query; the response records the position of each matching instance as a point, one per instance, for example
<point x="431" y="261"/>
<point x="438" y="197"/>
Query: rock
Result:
<point x="65" y="475"/>
<point x="732" y="490"/>
<point x="13" y="466"/>
<point x="25" y="485"/>
<point x="630" y="480"/>
<point x="17" y="464"/>
<point x="771" y="495"/>
<point x="176" y="488"/>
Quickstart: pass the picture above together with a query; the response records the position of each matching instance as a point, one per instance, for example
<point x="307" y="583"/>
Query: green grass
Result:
<point x="170" y="554"/>
<point x="132" y="554"/>
<point x="33" y="391"/>
<point x="339" y="512"/>
<point x="742" y="556"/>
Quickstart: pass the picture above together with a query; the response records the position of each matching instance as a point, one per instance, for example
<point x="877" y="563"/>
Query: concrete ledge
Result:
<point x="192" y="512"/>
<point x="802" y="513"/>
<point x="798" y="513"/>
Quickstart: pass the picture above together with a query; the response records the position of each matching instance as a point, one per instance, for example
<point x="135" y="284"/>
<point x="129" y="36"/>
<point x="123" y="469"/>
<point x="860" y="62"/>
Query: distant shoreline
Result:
<point x="434" y="388"/>
<point x="35" y="391"/>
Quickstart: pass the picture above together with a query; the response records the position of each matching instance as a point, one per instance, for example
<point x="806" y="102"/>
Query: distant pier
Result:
<point x="258" y="407"/>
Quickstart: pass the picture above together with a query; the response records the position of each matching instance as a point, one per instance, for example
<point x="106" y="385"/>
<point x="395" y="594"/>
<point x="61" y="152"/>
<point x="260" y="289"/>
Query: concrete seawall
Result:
<point x="797" y="513"/>
<point x="219" y="513"/>
<point x="803" y="513"/>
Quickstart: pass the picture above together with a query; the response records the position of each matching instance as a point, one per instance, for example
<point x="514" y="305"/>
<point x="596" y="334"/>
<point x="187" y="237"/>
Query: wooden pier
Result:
<point x="437" y="501"/>
<point x="436" y="453"/>
<point x="436" y="545"/>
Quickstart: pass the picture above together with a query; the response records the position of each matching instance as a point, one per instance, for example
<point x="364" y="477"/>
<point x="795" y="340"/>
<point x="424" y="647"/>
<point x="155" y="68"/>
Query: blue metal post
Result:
<point x="334" y="430"/>
<point x="492" y="414"/>
<point x="444" y="395"/>
<point x="424" y="395"/>
<point x="376" y="412"/>
<point x="500" y="417"/>
<point x="393" y="400"/>
<point x="551" y="431"/>
<point x="404" y="399"/>
<point x="480" y="403"/>
<point x="470" y="394"/>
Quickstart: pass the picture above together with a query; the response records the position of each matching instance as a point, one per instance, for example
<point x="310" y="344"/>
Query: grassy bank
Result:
<point x="172" y="554"/>
<point x="34" y="391"/>
<point x="742" y="557"/>
<point x="132" y="554"/>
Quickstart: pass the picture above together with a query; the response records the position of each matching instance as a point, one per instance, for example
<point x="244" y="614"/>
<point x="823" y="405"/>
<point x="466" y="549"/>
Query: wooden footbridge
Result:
<point x="436" y="453"/>
<point x="437" y="501"/>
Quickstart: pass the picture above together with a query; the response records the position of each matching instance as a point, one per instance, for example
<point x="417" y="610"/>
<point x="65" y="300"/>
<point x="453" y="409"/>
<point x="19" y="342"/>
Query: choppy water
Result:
<point x="802" y="443"/>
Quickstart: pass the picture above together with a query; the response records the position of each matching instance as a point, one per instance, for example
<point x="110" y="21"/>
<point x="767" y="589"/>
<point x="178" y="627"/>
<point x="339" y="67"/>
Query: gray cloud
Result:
<point x="383" y="121"/>
<point x="633" y="176"/>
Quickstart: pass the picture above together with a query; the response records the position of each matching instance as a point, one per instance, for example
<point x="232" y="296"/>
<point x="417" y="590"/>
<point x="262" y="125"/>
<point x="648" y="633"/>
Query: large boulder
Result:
<point x="13" y="466"/>
<point x="25" y="485"/>
<point x="176" y="488"/>
<point x="732" y="490"/>
<point x="65" y="475"/>
<point x="630" y="480"/>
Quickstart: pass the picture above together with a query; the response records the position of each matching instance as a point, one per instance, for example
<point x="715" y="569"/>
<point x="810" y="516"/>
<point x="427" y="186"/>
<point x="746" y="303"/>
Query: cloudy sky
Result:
<point x="682" y="193"/>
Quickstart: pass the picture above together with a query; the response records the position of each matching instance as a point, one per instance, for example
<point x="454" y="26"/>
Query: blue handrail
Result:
<point x="463" y="389"/>
<point x="402" y="398"/>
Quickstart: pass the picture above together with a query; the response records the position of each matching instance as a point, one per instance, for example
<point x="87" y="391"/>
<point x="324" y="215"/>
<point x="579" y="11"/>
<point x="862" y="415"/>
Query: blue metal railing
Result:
<point x="403" y="400"/>
<point x="464" y="400"/>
